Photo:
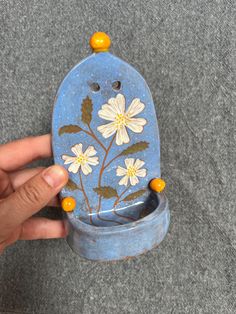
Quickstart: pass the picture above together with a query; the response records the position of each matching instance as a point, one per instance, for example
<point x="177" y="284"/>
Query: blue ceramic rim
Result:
<point x="84" y="227"/>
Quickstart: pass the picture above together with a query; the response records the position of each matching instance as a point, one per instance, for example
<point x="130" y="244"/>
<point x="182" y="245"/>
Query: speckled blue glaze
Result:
<point x="106" y="230"/>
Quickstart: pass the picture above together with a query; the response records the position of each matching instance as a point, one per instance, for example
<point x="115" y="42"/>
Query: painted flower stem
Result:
<point x="108" y="220"/>
<point x="91" y="133"/>
<point x="85" y="197"/>
<point x="95" y="137"/>
<point x="123" y="216"/>
<point x="104" y="219"/>
<point x="117" y="202"/>
<point x="103" y="163"/>
<point x="119" y="197"/>
<point x="99" y="184"/>
<point x="108" y="164"/>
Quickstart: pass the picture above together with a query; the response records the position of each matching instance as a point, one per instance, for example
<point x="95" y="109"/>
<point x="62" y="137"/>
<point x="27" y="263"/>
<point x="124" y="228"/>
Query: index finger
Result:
<point x="18" y="153"/>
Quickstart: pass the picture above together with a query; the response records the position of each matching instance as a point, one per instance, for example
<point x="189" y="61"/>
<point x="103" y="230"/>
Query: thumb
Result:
<point x="32" y="196"/>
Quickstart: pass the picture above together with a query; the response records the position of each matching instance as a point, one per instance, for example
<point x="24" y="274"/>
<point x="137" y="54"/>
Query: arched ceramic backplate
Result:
<point x="106" y="136"/>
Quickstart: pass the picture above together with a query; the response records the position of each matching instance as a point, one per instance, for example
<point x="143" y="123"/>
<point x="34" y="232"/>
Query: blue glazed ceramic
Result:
<point x="105" y="134"/>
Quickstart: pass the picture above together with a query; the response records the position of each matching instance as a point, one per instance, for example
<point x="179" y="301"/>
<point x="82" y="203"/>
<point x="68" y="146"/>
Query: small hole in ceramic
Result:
<point x="116" y="85"/>
<point x="95" y="87"/>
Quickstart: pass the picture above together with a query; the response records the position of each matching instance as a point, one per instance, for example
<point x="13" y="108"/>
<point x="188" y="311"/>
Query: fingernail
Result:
<point x="55" y="176"/>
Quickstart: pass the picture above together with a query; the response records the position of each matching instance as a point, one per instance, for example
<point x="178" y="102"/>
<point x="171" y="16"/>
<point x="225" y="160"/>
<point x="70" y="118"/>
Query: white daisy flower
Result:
<point x="81" y="159"/>
<point x="115" y="111"/>
<point x="132" y="172"/>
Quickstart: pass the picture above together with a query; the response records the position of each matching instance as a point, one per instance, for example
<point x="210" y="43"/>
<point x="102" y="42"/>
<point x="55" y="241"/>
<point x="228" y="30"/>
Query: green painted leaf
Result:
<point x="106" y="192"/>
<point x="134" y="195"/>
<point x="71" y="185"/>
<point x="137" y="147"/>
<point x="87" y="109"/>
<point x="69" y="129"/>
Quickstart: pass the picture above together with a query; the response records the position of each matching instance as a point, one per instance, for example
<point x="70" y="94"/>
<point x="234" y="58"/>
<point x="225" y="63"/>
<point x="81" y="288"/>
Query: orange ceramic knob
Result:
<point x="68" y="204"/>
<point x="100" y="42"/>
<point x="157" y="185"/>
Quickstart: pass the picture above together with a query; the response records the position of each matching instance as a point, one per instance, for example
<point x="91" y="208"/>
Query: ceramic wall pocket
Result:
<point x="105" y="134"/>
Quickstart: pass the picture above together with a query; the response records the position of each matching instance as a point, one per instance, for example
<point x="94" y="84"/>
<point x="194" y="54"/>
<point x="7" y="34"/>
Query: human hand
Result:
<point x="23" y="192"/>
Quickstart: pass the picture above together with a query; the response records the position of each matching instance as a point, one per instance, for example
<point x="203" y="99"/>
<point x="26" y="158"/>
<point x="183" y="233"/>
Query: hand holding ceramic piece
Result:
<point x="105" y="134"/>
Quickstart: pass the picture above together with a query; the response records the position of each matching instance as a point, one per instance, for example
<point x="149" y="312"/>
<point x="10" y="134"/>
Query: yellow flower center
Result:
<point x="131" y="171"/>
<point x="81" y="159"/>
<point x="120" y="120"/>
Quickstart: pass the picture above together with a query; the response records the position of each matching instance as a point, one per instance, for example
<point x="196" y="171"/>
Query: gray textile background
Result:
<point x="186" y="52"/>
